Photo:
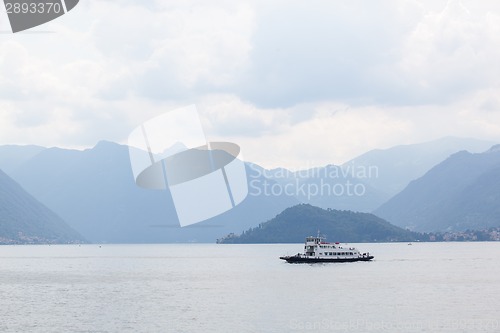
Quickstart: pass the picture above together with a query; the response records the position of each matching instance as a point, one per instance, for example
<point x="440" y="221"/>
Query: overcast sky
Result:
<point x="294" y="83"/>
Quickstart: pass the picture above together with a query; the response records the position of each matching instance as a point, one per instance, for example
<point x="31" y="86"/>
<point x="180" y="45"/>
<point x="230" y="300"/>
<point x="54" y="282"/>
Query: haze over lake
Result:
<point x="425" y="287"/>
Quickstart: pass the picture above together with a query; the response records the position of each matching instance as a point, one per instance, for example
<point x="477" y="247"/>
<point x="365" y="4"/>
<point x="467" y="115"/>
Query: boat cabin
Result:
<point x="318" y="248"/>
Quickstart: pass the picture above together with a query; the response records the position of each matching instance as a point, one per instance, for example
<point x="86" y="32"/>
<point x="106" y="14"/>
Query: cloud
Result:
<point x="450" y="53"/>
<point x="329" y="50"/>
<point x="389" y="52"/>
<point x="289" y="81"/>
<point x="229" y="116"/>
<point x="177" y="51"/>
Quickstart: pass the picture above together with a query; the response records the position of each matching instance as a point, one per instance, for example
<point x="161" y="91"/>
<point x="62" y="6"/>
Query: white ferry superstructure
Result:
<point x="317" y="250"/>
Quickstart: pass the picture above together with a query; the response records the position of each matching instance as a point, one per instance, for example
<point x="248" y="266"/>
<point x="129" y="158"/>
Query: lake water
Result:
<point x="425" y="287"/>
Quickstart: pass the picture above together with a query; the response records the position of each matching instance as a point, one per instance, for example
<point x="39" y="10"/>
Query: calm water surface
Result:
<point x="425" y="287"/>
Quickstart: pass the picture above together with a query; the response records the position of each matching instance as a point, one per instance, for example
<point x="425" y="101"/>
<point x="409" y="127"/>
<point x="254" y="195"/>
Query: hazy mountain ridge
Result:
<point x="366" y="182"/>
<point x="399" y="165"/>
<point x="458" y="194"/>
<point x="13" y="156"/>
<point x="94" y="190"/>
<point x="295" y="223"/>
<point x="25" y="220"/>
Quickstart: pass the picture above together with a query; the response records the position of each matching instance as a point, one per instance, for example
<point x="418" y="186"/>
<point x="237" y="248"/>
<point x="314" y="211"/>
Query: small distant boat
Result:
<point x="316" y="249"/>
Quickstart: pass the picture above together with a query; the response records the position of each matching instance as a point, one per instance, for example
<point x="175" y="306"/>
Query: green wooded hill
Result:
<point x="24" y="220"/>
<point x="295" y="223"/>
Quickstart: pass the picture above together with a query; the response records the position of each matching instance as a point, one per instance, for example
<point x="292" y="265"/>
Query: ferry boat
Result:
<point x="317" y="250"/>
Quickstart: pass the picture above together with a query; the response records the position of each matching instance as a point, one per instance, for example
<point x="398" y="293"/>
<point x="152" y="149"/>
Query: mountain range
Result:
<point x="398" y="166"/>
<point x="94" y="191"/>
<point x="462" y="192"/>
<point x="369" y="180"/>
<point x="23" y="219"/>
<point x="12" y="156"/>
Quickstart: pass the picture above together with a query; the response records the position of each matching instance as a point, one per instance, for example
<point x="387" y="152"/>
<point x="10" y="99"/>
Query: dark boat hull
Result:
<point x="300" y="260"/>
